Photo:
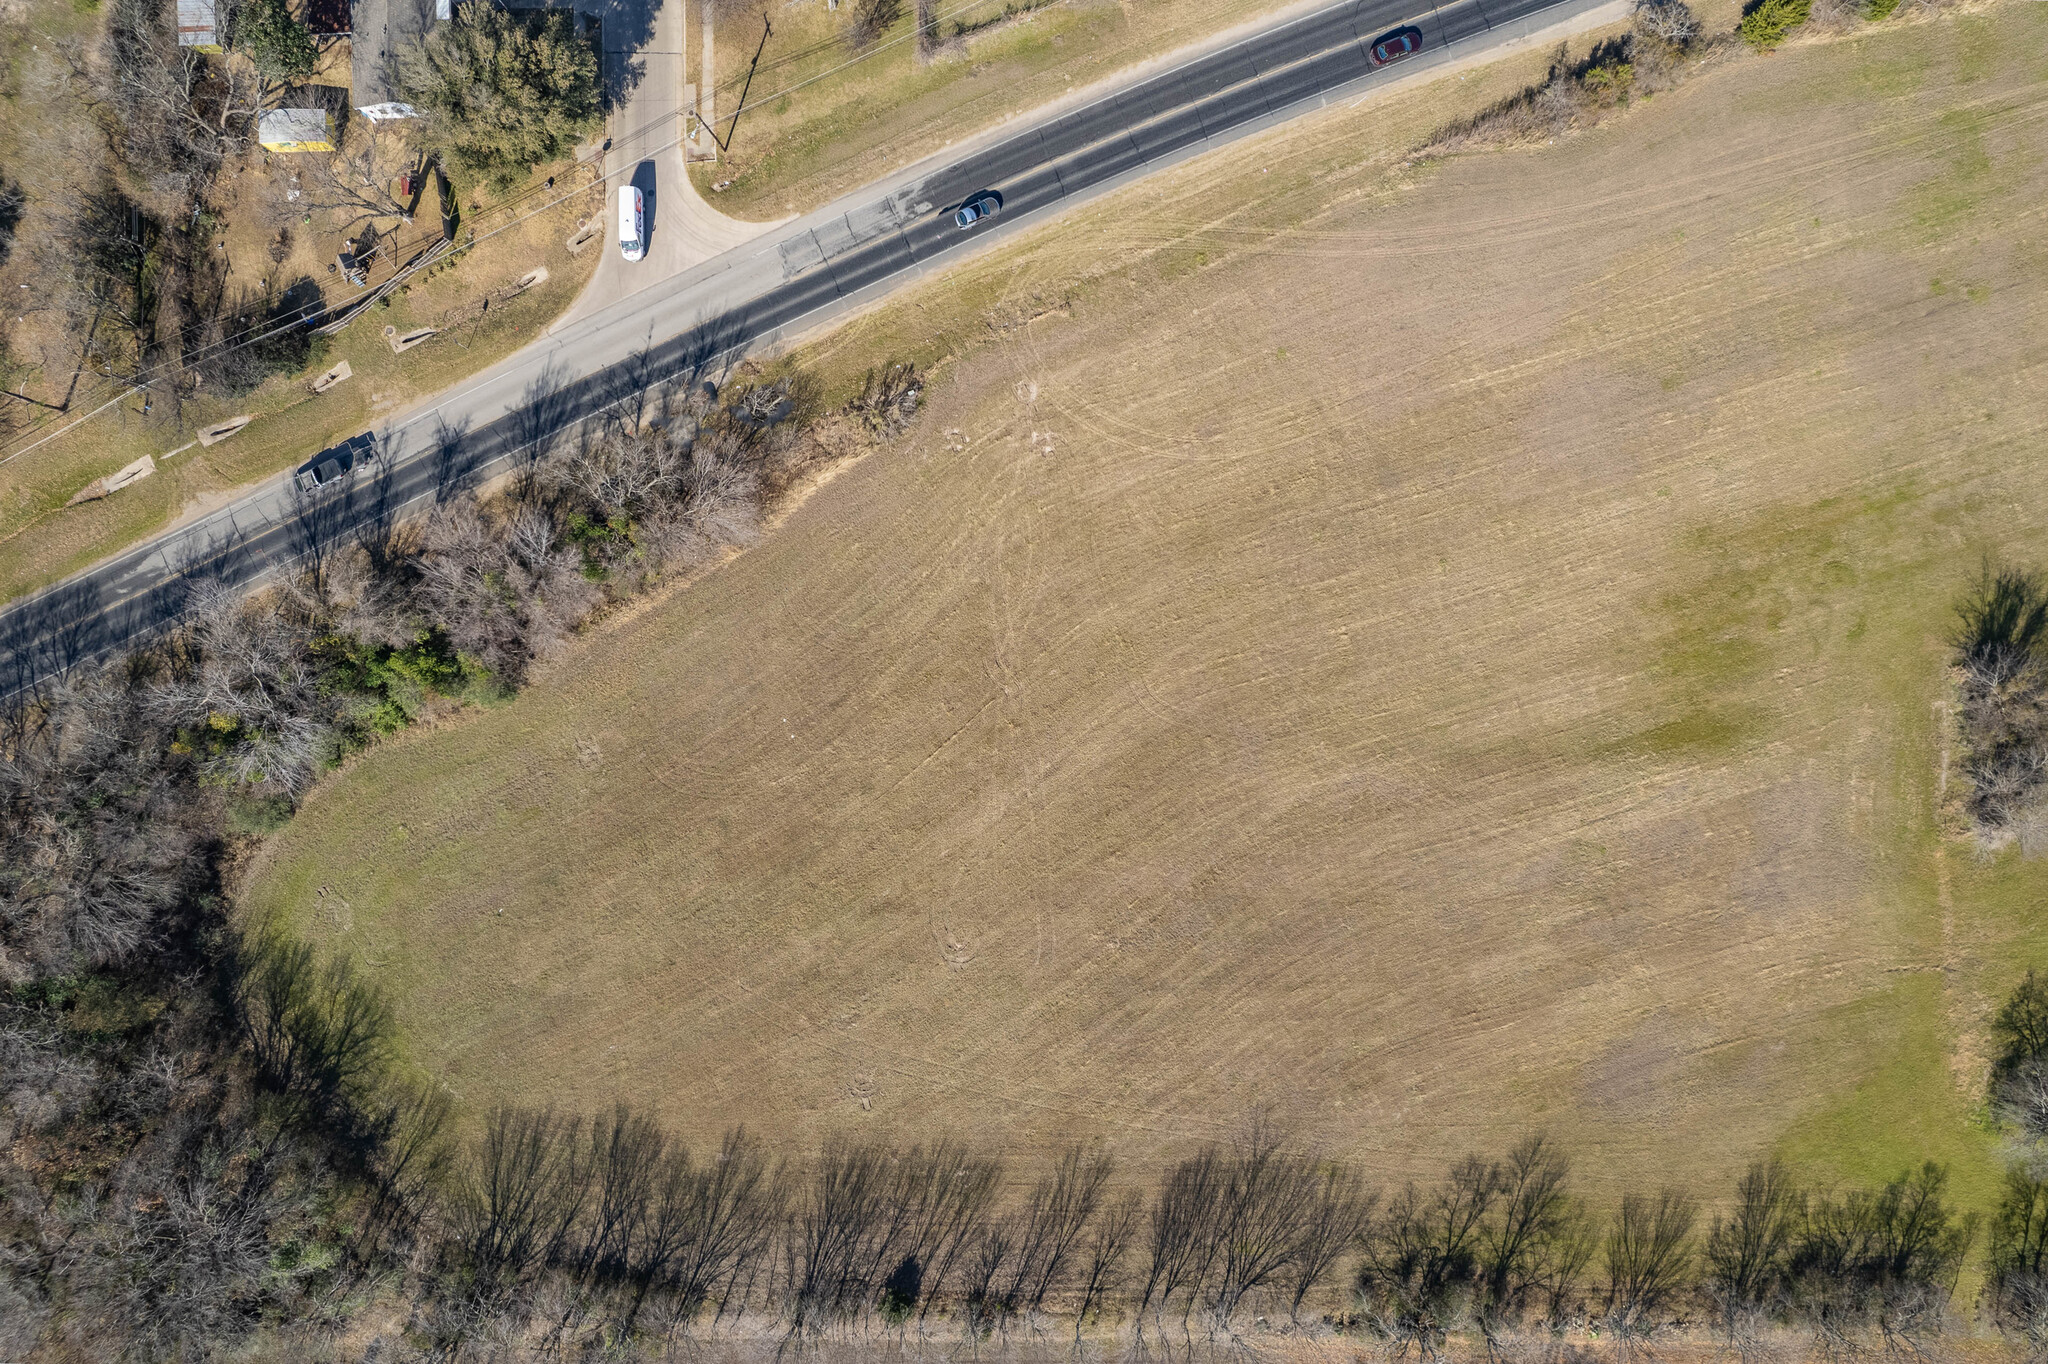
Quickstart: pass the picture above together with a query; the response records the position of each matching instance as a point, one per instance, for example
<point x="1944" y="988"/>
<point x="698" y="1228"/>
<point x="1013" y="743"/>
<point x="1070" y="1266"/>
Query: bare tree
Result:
<point x="842" y="1207"/>
<point x="177" y="116"/>
<point x="2003" y="695"/>
<point x="1563" y="1271"/>
<point x="518" y="1195"/>
<point x="1107" y="1246"/>
<point x="1534" y="1202"/>
<point x="623" y="473"/>
<point x="958" y="1189"/>
<point x="872" y="19"/>
<point x="1268" y="1201"/>
<point x="988" y="1256"/>
<point x="101" y="840"/>
<point x="2016" y="1284"/>
<point x="2020" y="1096"/>
<point x="709" y="1224"/>
<point x="1341" y="1211"/>
<point x="254" y="691"/>
<point x="1746" y="1253"/>
<point x="1669" y="23"/>
<point x="1882" y="1259"/>
<point x="1649" y="1257"/>
<point x="1056" y="1213"/>
<point x="1182" y="1233"/>
<point x="628" y="1151"/>
<point x="1422" y="1255"/>
<point x="319" y="1034"/>
<point x="2019" y="1074"/>
<point x="503" y="601"/>
<point x="354" y="183"/>
<point x="411" y="1156"/>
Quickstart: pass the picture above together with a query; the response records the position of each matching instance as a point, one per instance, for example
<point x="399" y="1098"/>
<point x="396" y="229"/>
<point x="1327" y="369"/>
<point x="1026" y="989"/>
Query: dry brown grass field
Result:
<point x="1429" y="651"/>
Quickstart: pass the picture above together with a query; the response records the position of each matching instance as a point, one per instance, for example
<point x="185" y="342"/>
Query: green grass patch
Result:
<point x="1904" y="1107"/>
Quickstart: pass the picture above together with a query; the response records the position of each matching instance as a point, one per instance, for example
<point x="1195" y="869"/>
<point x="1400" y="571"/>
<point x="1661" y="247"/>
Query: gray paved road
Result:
<point x="788" y="281"/>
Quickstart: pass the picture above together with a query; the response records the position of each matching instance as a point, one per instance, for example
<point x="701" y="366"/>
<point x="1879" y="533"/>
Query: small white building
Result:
<point x="198" y="25"/>
<point x="295" y="130"/>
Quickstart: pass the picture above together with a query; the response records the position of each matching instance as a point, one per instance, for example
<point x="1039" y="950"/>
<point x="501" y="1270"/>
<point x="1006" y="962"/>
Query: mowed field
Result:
<point x="1432" y="652"/>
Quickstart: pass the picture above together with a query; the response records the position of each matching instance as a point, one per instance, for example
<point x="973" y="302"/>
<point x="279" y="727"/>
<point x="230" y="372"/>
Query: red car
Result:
<point x="1402" y="42"/>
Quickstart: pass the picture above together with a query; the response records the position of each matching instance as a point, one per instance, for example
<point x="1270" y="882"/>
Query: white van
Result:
<point x="632" y="224"/>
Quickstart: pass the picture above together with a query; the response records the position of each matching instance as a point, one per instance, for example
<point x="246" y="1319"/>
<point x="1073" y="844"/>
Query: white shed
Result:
<point x="295" y="130"/>
<point x="198" y="25"/>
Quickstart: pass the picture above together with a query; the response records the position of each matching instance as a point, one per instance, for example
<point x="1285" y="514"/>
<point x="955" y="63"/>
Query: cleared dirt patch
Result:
<point x="1432" y="655"/>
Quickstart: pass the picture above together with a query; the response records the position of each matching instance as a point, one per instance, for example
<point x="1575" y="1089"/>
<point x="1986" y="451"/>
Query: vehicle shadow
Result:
<point x="644" y="180"/>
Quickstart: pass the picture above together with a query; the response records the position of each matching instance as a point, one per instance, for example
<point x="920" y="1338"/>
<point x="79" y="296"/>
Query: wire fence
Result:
<point x="406" y="258"/>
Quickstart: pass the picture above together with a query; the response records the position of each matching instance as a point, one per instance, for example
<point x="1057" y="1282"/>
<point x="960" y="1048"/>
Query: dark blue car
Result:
<point x="336" y="460"/>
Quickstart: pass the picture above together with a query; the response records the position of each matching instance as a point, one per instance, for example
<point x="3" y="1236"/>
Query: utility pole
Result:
<point x="725" y="143"/>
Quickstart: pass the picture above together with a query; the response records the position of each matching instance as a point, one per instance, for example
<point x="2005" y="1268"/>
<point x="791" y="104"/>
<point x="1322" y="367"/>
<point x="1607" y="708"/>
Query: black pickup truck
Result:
<point x="331" y="464"/>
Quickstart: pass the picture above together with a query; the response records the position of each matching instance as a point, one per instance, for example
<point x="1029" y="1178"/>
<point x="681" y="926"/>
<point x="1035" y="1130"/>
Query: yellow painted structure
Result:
<point x="296" y="130"/>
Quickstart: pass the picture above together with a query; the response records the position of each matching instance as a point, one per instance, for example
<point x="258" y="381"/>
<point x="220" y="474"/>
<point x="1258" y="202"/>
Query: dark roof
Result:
<point x="335" y="99"/>
<point x="327" y="17"/>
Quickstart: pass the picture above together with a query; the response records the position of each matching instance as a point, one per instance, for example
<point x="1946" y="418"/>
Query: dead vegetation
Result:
<point x="1579" y="92"/>
<point x="872" y="19"/>
<point x="124" y="250"/>
<point x="2001" y="671"/>
<point x="200" y="1100"/>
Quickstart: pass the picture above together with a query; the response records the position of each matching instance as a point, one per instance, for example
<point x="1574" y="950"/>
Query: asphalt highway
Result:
<point x="781" y="284"/>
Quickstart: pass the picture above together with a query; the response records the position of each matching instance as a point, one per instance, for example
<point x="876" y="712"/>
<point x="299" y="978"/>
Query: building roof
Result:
<point x="198" y="25"/>
<point x="295" y="130"/>
<point x="327" y="18"/>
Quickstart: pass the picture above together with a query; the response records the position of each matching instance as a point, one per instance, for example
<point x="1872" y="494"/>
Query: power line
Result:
<point x="281" y="323"/>
<point x="277" y="326"/>
<point x="141" y="382"/>
<point x="874" y="51"/>
<point x="792" y="58"/>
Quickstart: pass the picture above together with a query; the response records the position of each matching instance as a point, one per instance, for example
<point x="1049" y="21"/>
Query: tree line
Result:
<point x="626" y="1236"/>
<point x="198" y="1133"/>
<point x="553" y="1233"/>
<point x="544" y="1233"/>
<point x="2001" y="669"/>
<point x="209" y="1145"/>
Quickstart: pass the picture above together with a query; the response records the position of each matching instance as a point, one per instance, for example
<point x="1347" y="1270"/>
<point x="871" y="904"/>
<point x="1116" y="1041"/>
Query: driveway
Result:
<point x="645" y="71"/>
<point x="821" y="266"/>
